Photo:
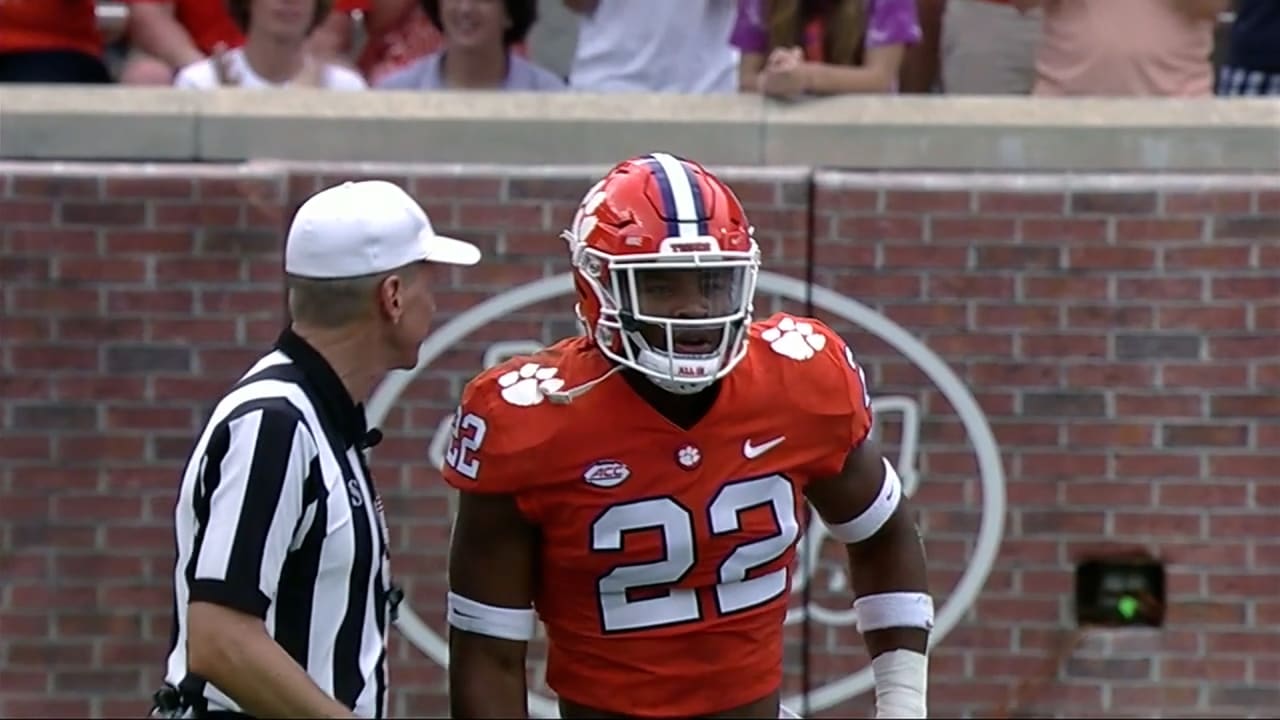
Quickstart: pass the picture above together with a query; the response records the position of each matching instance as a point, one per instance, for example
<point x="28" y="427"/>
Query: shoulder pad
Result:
<point x="505" y="421"/>
<point x="818" y="368"/>
<point x="792" y="337"/>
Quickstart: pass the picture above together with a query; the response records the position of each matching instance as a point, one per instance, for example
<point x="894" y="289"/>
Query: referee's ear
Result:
<point x="390" y="288"/>
<point x="407" y="306"/>
<point x="405" y="291"/>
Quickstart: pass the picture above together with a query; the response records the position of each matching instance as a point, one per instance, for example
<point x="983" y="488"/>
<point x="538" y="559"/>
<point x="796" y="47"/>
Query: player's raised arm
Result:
<point x="492" y="558"/>
<point x="863" y="506"/>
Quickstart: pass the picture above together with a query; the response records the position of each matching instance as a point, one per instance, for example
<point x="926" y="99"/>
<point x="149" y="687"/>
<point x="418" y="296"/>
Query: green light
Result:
<point x="1128" y="607"/>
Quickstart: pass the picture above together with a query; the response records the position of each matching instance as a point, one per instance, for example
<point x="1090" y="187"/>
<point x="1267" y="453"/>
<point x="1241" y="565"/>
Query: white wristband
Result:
<point x="902" y="684"/>
<point x="893" y="609"/>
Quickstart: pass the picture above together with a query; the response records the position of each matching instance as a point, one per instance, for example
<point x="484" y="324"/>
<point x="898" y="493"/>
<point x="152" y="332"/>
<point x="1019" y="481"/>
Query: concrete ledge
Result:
<point x="976" y="133"/>
<point x="1102" y="182"/>
<point x="89" y="123"/>
<point x="521" y="128"/>
<point x="896" y="133"/>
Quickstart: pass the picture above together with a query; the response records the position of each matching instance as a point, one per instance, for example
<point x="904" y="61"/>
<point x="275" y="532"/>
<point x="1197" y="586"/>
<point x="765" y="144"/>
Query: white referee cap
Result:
<point x="366" y="228"/>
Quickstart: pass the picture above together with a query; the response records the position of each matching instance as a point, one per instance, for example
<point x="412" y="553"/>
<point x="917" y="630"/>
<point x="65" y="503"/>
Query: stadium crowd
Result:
<point x="783" y="48"/>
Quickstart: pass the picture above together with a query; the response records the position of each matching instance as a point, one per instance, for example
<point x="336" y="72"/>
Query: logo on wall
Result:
<point x="978" y="429"/>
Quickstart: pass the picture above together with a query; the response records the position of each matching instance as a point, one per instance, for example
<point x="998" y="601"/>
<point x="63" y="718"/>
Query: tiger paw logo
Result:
<point x="525" y="387"/>
<point x="796" y="340"/>
<point x="688" y="457"/>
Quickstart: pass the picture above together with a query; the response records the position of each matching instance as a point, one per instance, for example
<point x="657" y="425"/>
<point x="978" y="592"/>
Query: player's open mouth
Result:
<point x="695" y="343"/>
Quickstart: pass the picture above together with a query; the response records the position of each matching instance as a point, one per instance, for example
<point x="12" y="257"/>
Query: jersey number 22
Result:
<point x="733" y="593"/>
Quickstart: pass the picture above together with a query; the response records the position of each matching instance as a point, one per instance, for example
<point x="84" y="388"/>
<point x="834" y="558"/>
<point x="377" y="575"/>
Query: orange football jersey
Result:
<point x="667" y="553"/>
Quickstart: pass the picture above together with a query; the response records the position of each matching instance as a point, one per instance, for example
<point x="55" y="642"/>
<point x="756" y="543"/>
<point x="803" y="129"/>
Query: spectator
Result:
<point x="989" y="48"/>
<point x="1252" y="64"/>
<point x="274" y="53"/>
<point x="797" y="47"/>
<point x="477" y="53"/>
<point x="679" y="46"/>
<point x="166" y="35"/>
<point x="396" y="32"/>
<point x="921" y="72"/>
<point x="1138" y="48"/>
<point x="50" y="41"/>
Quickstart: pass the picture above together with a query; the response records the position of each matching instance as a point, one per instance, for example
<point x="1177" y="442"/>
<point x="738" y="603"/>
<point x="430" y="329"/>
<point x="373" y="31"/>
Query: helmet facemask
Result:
<point x="678" y="318"/>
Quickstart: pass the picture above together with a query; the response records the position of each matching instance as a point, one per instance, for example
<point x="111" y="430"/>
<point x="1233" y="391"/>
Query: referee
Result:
<point x="282" y="588"/>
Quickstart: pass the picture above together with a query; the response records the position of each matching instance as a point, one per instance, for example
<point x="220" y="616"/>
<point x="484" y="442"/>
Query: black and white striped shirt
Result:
<point x="278" y="517"/>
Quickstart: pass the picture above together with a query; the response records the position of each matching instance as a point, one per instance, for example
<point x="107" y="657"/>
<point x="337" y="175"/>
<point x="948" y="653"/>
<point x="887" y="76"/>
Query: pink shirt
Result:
<point x="1128" y="48"/>
<point x="889" y="22"/>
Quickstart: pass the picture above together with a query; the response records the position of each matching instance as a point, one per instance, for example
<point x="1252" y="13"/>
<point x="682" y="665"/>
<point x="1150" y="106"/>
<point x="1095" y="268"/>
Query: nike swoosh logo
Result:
<point x="754" y="451"/>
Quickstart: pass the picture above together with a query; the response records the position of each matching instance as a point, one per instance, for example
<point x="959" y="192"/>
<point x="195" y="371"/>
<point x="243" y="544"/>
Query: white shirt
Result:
<point x="679" y="46"/>
<point x="203" y="75"/>
<point x="428" y="74"/>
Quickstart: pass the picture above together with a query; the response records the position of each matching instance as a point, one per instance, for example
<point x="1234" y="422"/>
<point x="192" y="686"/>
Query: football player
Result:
<point x="641" y="488"/>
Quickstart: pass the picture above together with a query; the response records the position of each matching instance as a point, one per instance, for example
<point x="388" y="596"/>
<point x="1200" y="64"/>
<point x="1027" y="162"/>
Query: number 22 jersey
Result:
<point x="666" y="553"/>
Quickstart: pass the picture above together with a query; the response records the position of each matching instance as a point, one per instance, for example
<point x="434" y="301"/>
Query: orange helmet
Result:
<point x="665" y="268"/>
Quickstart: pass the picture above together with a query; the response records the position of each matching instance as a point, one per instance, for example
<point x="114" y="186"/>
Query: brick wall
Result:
<point x="1122" y="335"/>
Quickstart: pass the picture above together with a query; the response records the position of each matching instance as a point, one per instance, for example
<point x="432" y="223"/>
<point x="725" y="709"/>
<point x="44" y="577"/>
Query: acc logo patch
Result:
<point x="606" y="474"/>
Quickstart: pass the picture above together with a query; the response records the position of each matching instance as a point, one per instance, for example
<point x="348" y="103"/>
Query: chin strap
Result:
<point x="564" y="397"/>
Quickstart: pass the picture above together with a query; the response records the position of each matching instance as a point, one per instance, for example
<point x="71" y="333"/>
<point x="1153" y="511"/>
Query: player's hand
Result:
<point x="785" y="74"/>
<point x="784" y="58"/>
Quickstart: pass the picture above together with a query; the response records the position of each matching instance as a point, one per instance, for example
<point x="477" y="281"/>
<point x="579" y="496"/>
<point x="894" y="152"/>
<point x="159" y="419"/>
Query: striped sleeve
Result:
<point x="255" y="496"/>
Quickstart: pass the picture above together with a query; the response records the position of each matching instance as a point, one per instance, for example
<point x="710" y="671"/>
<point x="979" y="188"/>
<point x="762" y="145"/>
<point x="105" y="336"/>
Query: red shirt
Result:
<point x="27" y="25"/>
<point x="206" y="21"/>
<point x="394" y="42"/>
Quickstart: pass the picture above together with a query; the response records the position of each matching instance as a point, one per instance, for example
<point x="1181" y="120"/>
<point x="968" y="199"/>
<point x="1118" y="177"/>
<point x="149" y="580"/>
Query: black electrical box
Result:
<point x="1120" y="591"/>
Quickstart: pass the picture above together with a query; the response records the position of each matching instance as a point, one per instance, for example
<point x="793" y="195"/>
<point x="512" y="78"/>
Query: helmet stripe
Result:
<point x="699" y="207"/>
<point x="681" y="196"/>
